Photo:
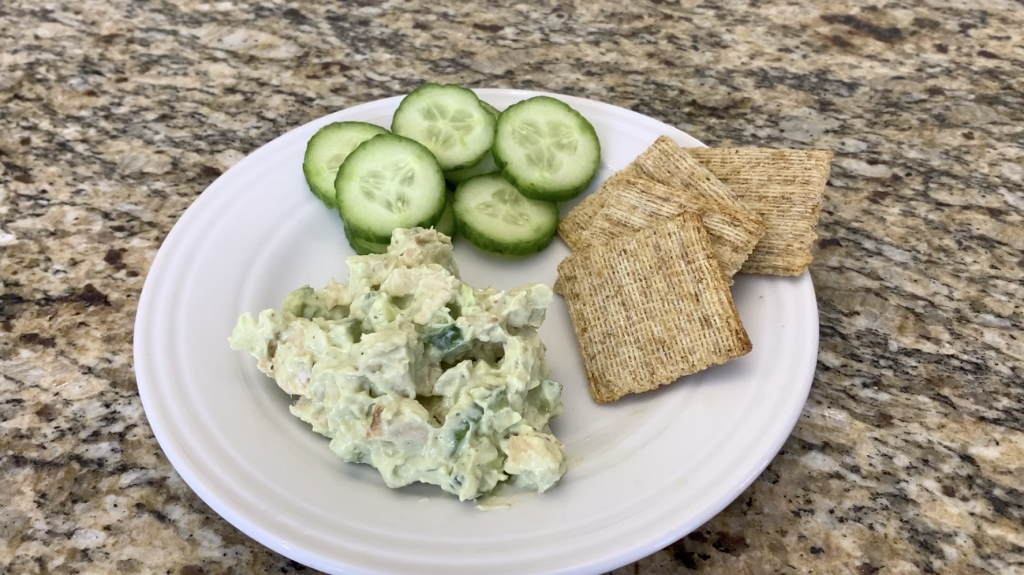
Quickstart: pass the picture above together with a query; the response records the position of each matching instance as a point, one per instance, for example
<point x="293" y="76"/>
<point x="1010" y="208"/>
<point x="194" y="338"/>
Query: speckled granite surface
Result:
<point x="909" y="457"/>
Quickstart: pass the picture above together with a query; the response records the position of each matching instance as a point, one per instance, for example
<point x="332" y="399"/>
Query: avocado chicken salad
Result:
<point x="411" y="370"/>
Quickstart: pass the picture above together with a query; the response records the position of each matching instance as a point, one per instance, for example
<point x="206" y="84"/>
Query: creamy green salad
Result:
<point x="409" y="369"/>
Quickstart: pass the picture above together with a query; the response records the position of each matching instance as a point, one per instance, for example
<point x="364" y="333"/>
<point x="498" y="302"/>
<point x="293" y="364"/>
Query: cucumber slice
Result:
<point x="363" y="247"/>
<point x="389" y="182"/>
<point x="484" y="166"/>
<point x="494" y="111"/>
<point x="446" y="225"/>
<point x="495" y="217"/>
<point x="326" y="151"/>
<point x="546" y="149"/>
<point x="448" y="120"/>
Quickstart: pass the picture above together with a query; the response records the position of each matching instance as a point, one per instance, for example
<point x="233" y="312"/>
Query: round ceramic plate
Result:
<point x="642" y="472"/>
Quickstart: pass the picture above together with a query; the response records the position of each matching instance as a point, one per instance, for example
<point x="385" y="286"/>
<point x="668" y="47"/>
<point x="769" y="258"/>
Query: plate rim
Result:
<point x="171" y="446"/>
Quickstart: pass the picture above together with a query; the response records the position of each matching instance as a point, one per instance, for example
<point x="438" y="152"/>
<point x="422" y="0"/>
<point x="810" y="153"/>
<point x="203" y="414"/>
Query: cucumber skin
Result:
<point x="325" y="199"/>
<point x="371" y="236"/>
<point x="328" y="199"/>
<point x="429" y="85"/>
<point x="362" y="251"/>
<point x="446" y="223"/>
<point x="494" y="111"/>
<point x="482" y="241"/>
<point x="456" y="177"/>
<point x="535" y="192"/>
<point x="363" y="247"/>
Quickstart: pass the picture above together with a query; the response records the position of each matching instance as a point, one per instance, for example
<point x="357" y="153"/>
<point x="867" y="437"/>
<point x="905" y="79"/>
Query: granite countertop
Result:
<point x="909" y="456"/>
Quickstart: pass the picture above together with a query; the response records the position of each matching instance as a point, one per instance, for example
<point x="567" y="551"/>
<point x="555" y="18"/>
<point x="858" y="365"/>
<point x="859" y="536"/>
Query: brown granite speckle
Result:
<point x="908" y="458"/>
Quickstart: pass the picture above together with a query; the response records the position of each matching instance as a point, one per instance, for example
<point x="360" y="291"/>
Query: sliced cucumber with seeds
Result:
<point x="389" y="182"/>
<point x="449" y="120"/>
<point x="484" y="166"/>
<point x="495" y="217"/>
<point x="326" y="151"/>
<point x="445" y="225"/>
<point x="546" y="149"/>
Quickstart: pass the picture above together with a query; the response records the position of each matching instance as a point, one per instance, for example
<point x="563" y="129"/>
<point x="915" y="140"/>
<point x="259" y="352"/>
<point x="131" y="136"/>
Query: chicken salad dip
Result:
<point x="409" y="369"/>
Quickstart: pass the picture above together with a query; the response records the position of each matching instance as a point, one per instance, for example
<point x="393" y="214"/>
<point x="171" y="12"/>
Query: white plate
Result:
<point x="643" y="472"/>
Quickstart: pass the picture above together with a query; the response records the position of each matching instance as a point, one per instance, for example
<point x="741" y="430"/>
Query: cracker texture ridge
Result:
<point x="664" y="162"/>
<point x="650" y="308"/>
<point x="634" y="203"/>
<point x="784" y="188"/>
<point x="669" y="164"/>
<point x="573" y="226"/>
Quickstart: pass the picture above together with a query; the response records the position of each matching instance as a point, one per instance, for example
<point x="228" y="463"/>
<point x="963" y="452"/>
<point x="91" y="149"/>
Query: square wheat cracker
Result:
<point x="632" y="204"/>
<point x="783" y="187"/>
<point x="650" y="308"/>
<point x="664" y="162"/>
<point x="669" y="164"/>
<point x="572" y="227"/>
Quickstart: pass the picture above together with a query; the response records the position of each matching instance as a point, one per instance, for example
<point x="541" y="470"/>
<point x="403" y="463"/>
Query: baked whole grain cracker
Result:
<point x="650" y="308"/>
<point x="664" y="162"/>
<point x="632" y="204"/>
<point x="572" y="227"/>
<point x="669" y="164"/>
<point x="783" y="187"/>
